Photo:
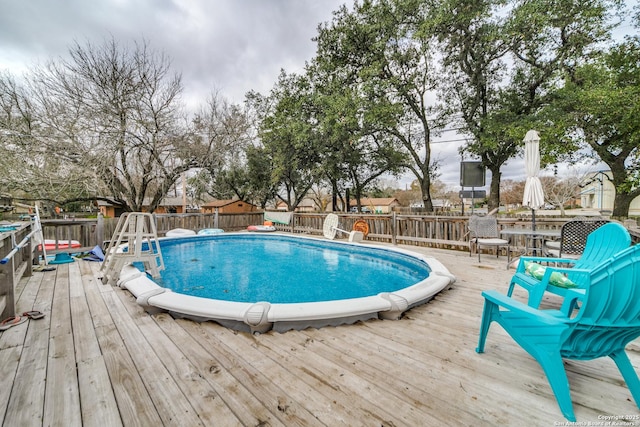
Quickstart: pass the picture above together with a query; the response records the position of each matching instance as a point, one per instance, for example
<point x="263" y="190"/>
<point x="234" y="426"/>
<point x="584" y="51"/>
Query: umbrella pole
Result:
<point x="534" y="242"/>
<point x="533" y="219"/>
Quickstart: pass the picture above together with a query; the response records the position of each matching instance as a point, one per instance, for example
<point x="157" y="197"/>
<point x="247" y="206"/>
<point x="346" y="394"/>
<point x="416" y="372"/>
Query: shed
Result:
<point x="229" y="206"/>
<point x="382" y="205"/>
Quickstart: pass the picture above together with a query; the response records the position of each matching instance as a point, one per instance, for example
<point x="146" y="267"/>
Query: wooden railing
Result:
<point x="17" y="266"/>
<point x="88" y="232"/>
<point x="411" y="229"/>
<point x="198" y="221"/>
<point x="95" y="231"/>
<point x="424" y="230"/>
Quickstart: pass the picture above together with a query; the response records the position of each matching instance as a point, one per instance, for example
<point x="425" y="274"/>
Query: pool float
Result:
<point x="361" y="226"/>
<point x="210" y="231"/>
<point x="62" y="258"/>
<point x="180" y="232"/>
<point x="50" y="244"/>
<point x="261" y="228"/>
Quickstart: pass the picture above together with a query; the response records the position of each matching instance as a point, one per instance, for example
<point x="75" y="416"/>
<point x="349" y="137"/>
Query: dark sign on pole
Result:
<point x="473" y="194"/>
<point x="472" y="174"/>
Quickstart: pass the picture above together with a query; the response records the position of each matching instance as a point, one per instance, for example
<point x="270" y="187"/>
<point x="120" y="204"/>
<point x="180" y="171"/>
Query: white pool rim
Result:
<point x="263" y="316"/>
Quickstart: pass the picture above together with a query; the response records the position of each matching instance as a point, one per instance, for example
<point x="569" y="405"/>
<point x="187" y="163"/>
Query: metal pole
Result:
<point x="601" y="188"/>
<point x="473" y="196"/>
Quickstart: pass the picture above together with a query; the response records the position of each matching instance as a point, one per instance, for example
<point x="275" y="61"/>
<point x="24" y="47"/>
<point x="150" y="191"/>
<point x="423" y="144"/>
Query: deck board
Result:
<point x="265" y="386"/>
<point x="98" y="403"/>
<point x="226" y="390"/>
<point x="305" y="379"/>
<point x="134" y="404"/>
<point x="187" y="378"/>
<point x="170" y="404"/>
<point x="62" y="396"/>
<point x="25" y="405"/>
<point x="98" y="359"/>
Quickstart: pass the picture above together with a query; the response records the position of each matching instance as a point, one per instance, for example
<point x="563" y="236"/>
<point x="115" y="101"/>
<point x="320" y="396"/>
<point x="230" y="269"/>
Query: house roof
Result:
<point x="307" y="203"/>
<point x="110" y="202"/>
<point x="304" y="203"/>
<point x="221" y="203"/>
<point x="380" y="201"/>
<point x="167" y="201"/>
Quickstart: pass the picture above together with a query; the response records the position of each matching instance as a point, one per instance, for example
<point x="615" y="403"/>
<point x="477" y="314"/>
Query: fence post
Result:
<point x="100" y="230"/>
<point x="7" y="288"/>
<point x="394" y="241"/>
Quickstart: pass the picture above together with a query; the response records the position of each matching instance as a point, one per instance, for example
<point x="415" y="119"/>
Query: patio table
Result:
<point x="531" y="237"/>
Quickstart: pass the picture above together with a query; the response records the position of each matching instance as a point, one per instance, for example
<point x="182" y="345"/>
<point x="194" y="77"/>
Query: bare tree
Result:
<point x="117" y="113"/>
<point x="511" y="192"/>
<point x="559" y="191"/>
<point x="321" y="196"/>
<point x="108" y="121"/>
<point x="30" y="169"/>
<point x="224" y="130"/>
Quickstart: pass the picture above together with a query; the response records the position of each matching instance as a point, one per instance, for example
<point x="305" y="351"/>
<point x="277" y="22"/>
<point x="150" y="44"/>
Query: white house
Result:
<point x="598" y="192"/>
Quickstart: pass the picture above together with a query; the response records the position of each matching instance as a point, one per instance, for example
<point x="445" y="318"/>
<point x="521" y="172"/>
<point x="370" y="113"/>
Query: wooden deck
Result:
<point x="97" y="359"/>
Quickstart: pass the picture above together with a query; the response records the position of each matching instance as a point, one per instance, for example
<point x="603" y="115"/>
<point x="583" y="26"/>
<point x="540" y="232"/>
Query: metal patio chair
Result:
<point x="483" y="231"/>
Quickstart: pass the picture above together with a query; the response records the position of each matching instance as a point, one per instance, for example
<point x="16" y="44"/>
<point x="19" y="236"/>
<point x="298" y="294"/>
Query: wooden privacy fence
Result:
<point x="95" y="231"/>
<point x="425" y="230"/>
<point x="88" y="232"/>
<point x="413" y="229"/>
<point x="198" y="221"/>
<point x="448" y="232"/>
<point x="440" y="231"/>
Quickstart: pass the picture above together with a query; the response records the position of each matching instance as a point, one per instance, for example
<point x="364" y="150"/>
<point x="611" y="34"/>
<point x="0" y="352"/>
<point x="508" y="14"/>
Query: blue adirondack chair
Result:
<point x="602" y="243"/>
<point x="608" y="319"/>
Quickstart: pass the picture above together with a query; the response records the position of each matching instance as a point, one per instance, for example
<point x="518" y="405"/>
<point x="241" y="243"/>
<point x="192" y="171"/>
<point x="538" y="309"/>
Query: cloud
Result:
<point x="229" y="46"/>
<point x="224" y="46"/>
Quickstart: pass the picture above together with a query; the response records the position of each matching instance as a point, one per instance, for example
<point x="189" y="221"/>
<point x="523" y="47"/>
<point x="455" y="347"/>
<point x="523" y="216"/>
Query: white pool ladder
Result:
<point x="137" y="231"/>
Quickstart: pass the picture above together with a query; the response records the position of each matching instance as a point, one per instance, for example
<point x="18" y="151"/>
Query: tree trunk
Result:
<point x="334" y="195"/>
<point x="621" y="205"/>
<point x="425" y="190"/>
<point x="494" y="189"/>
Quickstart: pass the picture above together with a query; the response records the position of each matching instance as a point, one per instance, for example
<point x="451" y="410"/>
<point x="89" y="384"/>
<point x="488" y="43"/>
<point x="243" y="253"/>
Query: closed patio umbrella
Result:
<point x="533" y="192"/>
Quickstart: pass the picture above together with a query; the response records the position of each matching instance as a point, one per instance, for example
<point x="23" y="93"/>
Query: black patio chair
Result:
<point x="573" y="237"/>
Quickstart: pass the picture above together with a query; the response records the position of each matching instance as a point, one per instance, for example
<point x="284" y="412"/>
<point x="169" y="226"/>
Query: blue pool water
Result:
<point x="281" y="269"/>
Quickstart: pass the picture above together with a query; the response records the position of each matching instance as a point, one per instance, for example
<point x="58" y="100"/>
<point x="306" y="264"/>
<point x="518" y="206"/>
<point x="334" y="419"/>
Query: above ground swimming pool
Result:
<point x="261" y="282"/>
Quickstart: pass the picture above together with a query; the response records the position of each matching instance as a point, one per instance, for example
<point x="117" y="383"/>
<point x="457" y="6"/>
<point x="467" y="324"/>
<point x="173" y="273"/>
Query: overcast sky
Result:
<point x="230" y="46"/>
<point x="224" y="46"/>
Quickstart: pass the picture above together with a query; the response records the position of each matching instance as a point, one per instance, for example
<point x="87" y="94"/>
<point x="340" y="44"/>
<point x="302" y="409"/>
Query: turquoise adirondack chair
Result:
<point x="602" y="243"/>
<point x="608" y="319"/>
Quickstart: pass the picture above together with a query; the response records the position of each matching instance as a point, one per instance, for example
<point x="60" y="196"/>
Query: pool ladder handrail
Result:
<point x="133" y="231"/>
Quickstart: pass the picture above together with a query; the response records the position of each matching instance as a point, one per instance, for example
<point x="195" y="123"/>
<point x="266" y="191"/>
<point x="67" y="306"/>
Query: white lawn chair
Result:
<point x="330" y="228"/>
